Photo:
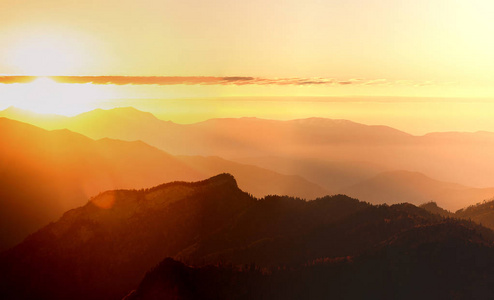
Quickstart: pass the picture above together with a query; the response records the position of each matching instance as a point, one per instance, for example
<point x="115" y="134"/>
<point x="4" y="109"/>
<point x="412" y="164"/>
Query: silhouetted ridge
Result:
<point x="225" y="179"/>
<point x="482" y="213"/>
<point x="223" y="183"/>
<point x="103" y="249"/>
<point x="435" y="209"/>
<point x="119" y="235"/>
<point x="173" y="279"/>
<point x="446" y="260"/>
<point x="45" y="173"/>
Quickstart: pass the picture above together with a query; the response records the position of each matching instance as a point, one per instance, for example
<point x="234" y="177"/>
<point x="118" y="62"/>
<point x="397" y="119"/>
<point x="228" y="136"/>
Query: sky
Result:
<point x="435" y="54"/>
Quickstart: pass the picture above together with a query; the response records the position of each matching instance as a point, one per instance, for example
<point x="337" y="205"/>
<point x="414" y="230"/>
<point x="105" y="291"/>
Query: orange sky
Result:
<point x="434" y="48"/>
<point x="437" y="40"/>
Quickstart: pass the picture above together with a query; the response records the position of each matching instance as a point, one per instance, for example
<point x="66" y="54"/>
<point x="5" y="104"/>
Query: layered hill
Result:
<point x="416" y="188"/>
<point x="482" y="213"/>
<point x="258" y="181"/>
<point x="304" y="145"/>
<point x="44" y="173"/>
<point x="333" y="175"/>
<point x="103" y="249"/>
<point x="228" y="138"/>
<point x="435" y="209"/>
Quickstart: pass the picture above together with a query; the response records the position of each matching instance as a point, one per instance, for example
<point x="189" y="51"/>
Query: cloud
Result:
<point x="16" y="79"/>
<point x="211" y="80"/>
<point x="200" y="80"/>
<point x="159" y="80"/>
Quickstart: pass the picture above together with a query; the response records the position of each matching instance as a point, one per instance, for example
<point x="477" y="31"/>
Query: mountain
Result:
<point x="236" y="139"/>
<point x="451" y="156"/>
<point x="332" y="175"/>
<point x="432" y="207"/>
<point x="482" y="213"/>
<point x="44" y="173"/>
<point x="103" y="249"/>
<point x="47" y="121"/>
<point x="460" y="157"/>
<point x="258" y="181"/>
<point x="430" y="262"/>
<point x="416" y="188"/>
<point x="229" y="137"/>
<point x="252" y="137"/>
<point x="123" y="123"/>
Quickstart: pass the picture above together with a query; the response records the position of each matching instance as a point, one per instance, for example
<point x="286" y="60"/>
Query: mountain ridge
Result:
<point x="416" y="188"/>
<point x="110" y="247"/>
<point x="240" y="138"/>
<point x="44" y="173"/>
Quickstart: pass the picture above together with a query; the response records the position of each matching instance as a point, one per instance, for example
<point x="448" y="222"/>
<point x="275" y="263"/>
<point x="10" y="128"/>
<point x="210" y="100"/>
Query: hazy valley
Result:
<point x="44" y="173"/>
<point x="81" y="218"/>
<point x="334" y="154"/>
<point x="255" y="150"/>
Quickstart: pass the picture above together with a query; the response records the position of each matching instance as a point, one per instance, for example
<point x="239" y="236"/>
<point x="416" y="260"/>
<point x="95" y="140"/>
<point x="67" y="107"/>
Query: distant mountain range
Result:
<point x="416" y="188"/>
<point x="44" y="173"/>
<point x="229" y="138"/>
<point x="103" y="249"/>
<point x="334" y="156"/>
<point x="211" y="240"/>
<point x="302" y="145"/>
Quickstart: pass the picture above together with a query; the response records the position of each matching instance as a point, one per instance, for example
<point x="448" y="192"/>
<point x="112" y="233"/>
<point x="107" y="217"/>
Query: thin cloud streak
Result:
<point x="16" y="79"/>
<point x="212" y="80"/>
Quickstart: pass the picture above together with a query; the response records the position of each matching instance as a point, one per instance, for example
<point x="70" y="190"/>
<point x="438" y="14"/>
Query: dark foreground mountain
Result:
<point x="435" y="209"/>
<point x="440" y="261"/>
<point x="45" y="173"/>
<point x="103" y="249"/>
<point x="481" y="213"/>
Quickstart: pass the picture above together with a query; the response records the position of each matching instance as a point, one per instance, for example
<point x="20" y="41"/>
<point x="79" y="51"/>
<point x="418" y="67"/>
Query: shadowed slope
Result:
<point x="482" y="213"/>
<point x="446" y="260"/>
<point x="432" y="207"/>
<point x="102" y="250"/>
<point x="44" y="173"/>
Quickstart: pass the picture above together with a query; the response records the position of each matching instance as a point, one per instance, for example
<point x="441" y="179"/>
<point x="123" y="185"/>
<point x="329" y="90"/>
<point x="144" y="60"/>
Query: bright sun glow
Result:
<point x="46" y="54"/>
<point x="47" y="96"/>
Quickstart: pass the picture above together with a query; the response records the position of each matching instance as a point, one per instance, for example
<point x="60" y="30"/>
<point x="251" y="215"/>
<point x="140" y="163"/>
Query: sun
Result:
<point x="45" y="54"/>
<point x="46" y="96"/>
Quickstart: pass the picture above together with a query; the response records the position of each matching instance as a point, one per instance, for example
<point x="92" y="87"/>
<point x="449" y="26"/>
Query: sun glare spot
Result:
<point x="46" y="96"/>
<point x="105" y="201"/>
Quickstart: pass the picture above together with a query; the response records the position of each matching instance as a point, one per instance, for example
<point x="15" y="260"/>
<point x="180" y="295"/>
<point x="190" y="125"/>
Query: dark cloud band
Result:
<point x="16" y="79"/>
<point x="195" y="80"/>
